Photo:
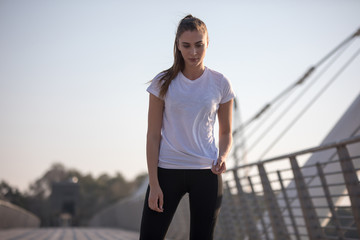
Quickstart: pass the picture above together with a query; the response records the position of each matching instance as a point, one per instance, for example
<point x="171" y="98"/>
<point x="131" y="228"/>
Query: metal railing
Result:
<point x="12" y="216"/>
<point x="311" y="194"/>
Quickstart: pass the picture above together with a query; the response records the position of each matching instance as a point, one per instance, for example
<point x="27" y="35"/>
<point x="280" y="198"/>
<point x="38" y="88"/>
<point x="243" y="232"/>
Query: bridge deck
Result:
<point x="68" y="234"/>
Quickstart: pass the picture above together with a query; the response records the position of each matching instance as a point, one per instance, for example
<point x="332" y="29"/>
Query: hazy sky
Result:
<point x="73" y="73"/>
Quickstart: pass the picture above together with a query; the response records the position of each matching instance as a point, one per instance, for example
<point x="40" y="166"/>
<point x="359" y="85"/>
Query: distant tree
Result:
<point x="12" y="194"/>
<point x="41" y="188"/>
<point x="138" y="181"/>
<point x="95" y="194"/>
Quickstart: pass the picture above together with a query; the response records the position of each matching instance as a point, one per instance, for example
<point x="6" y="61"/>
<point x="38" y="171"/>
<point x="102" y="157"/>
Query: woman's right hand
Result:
<point x="156" y="199"/>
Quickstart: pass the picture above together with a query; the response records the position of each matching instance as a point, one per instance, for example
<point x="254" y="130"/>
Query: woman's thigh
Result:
<point x="154" y="225"/>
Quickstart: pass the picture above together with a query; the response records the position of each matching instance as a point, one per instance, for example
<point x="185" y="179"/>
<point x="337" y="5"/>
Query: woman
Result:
<point x="181" y="153"/>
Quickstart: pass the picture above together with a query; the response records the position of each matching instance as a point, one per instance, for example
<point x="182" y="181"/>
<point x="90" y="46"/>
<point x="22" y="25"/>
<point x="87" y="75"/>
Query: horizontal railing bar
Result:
<point x="336" y="184"/>
<point x="331" y="237"/>
<point x="332" y="173"/>
<point x="310" y="150"/>
<point x="327" y="217"/>
<point x="345" y="217"/>
<point x="345" y="238"/>
<point x="348" y="228"/>
<point x="332" y="195"/>
<point x="314" y="165"/>
<point x="341" y="227"/>
<point x="322" y="217"/>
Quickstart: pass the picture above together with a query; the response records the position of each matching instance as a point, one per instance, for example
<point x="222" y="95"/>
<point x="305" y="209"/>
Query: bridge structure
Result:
<point x="309" y="194"/>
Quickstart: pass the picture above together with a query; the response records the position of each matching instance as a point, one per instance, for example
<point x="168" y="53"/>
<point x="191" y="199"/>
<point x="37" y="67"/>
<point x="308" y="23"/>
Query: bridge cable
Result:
<point x="353" y="57"/>
<point x="297" y="98"/>
<point x="269" y="114"/>
<point x="241" y="145"/>
<point x="298" y="82"/>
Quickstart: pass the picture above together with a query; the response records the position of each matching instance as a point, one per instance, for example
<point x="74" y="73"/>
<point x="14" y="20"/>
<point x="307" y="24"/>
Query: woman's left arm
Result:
<point x="225" y="135"/>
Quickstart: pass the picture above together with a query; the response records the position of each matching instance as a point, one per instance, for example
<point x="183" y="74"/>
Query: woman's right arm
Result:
<point x="155" y="116"/>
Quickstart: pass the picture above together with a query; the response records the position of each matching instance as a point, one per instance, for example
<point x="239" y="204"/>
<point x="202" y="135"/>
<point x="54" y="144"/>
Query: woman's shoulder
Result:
<point x="217" y="75"/>
<point x="159" y="76"/>
<point x="224" y="85"/>
<point x="155" y="84"/>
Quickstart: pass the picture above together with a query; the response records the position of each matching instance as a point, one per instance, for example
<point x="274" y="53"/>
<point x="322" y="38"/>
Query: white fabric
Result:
<point x="188" y="121"/>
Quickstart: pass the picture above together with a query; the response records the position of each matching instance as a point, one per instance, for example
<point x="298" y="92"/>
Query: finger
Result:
<point x="155" y="208"/>
<point x="214" y="171"/>
<point x="213" y="168"/>
<point x="219" y="166"/>
<point x="153" y="205"/>
<point x="223" y="168"/>
<point x="161" y="203"/>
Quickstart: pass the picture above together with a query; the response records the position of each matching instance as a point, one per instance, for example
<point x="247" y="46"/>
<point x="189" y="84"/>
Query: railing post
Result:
<point x="277" y="222"/>
<point x="247" y="215"/>
<point x="329" y="201"/>
<point x="351" y="182"/>
<point x="258" y="210"/>
<point x="311" y="220"/>
<point x="287" y="202"/>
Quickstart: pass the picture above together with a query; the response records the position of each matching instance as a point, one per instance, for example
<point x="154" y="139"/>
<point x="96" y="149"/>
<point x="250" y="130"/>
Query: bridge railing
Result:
<point x="311" y="194"/>
<point x="12" y="216"/>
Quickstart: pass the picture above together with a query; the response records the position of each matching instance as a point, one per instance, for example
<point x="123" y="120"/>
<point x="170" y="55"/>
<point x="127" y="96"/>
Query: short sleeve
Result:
<point x="227" y="91"/>
<point x="154" y="87"/>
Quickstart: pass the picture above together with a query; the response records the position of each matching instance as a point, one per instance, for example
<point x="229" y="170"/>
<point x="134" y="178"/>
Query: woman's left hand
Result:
<point x="220" y="167"/>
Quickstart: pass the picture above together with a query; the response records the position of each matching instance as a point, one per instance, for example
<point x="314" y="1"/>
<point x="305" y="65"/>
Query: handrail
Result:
<point x="309" y="150"/>
<point x="13" y="216"/>
<point x="265" y="205"/>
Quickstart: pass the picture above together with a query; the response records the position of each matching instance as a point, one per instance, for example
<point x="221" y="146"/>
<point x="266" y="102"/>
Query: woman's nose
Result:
<point x="193" y="51"/>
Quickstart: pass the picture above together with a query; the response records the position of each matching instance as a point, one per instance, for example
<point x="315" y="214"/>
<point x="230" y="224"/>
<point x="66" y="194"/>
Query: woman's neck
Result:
<point x="193" y="73"/>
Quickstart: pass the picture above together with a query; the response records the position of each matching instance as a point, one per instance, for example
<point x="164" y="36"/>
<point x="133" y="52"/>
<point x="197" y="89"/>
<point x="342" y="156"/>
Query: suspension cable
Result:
<point x="298" y="82"/>
<point x="353" y="57"/>
<point x="268" y="115"/>
<point x="299" y="96"/>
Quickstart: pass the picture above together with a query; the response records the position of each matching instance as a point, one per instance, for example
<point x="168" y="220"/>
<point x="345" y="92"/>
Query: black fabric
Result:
<point x="205" y="194"/>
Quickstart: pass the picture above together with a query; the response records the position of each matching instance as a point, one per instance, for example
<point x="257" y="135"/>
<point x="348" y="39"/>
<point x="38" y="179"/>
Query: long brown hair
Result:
<point x="188" y="23"/>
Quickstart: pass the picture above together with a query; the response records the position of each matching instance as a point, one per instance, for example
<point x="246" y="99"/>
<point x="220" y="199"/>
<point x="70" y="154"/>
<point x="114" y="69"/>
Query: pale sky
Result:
<point x="73" y="73"/>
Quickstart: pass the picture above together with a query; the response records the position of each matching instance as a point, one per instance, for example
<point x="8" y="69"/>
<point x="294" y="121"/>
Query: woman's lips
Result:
<point x="193" y="59"/>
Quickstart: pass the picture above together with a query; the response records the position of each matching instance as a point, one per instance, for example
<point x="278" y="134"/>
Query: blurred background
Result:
<point x="73" y="78"/>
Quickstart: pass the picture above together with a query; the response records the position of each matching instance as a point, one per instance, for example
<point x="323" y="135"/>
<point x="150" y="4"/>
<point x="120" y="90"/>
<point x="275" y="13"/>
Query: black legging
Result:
<point x="205" y="194"/>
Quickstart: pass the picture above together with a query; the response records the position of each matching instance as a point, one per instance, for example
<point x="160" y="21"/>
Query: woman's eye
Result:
<point x="186" y="46"/>
<point x="199" y="45"/>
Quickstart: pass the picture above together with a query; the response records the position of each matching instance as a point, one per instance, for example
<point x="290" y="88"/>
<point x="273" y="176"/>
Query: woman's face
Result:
<point x="193" y="46"/>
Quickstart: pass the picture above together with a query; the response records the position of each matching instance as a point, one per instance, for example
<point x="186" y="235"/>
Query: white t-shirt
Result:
<point x="189" y="116"/>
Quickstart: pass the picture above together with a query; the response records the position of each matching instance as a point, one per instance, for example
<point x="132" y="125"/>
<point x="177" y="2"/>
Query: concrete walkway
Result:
<point x="67" y="234"/>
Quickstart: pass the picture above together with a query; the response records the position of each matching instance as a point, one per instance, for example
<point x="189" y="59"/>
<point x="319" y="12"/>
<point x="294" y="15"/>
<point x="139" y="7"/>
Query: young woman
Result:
<point x="181" y="153"/>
